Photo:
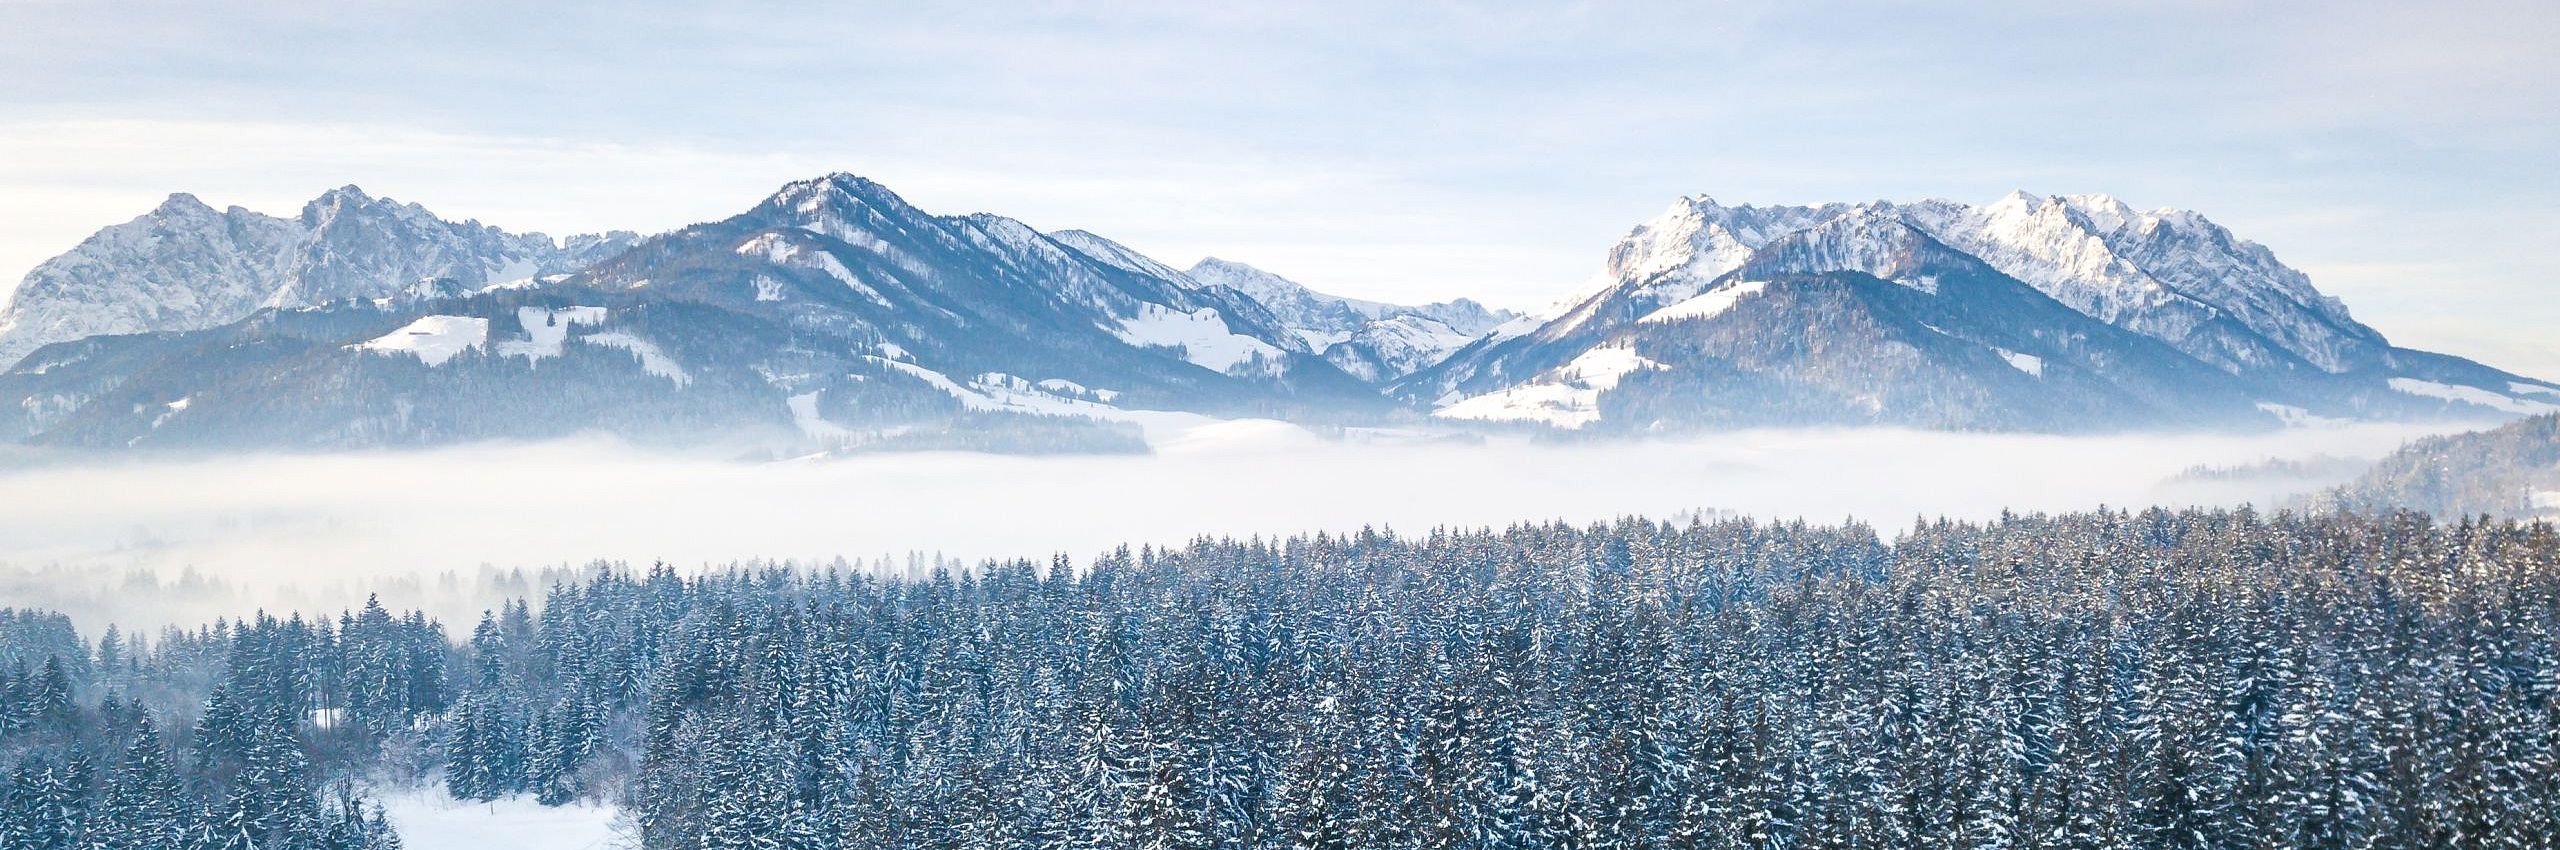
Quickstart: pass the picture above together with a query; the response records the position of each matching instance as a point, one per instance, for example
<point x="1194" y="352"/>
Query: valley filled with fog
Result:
<point x="113" y="540"/>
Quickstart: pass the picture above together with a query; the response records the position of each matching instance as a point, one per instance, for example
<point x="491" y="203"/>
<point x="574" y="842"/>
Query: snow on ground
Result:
<point x="2027" y="363"/>
<point x="2471" y="395"/>
<point x="428" y="819"/>
<point x="1705" y="305"/>
<point x="993" y="391"/>
<point x="999" y="391"/>
<point x="804" y="413"/>
<point x="1202" y="334"/>
<point x="2297" y="417"/>
<point x="546" y="329"/>
<point x="2532" y="389"/>
<point x="1317" y="340"/>
<point x="834" y="268"/>
<point x="1568" y="397"/>
<point x="775" y="249"/>
<point x="432" y="339"/>
<point x="1408" y="343"/>
<point x="655" y="361"/>
<point x="512" y="269"/>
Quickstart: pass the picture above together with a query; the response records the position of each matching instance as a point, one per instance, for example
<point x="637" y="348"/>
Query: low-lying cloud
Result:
<point x="354" y="521"/>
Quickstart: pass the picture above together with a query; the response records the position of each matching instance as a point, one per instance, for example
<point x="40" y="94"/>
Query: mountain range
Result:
<point x="834" y="314"/>
<point x="2036" y="313"/>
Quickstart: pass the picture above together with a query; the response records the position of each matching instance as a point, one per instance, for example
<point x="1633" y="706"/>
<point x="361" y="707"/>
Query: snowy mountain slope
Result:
<point x="834" y="314"/>
<point x="1862" y="319"/>
<point x="967" y="295"/>
<point x="1374" y="340"/>
<point x="2170" y="275"/>
<point x="831" y="313"/>
<point x="185" y="265"/>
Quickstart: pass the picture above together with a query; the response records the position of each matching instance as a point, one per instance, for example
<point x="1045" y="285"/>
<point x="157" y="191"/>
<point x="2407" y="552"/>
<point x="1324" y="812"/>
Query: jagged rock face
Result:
<point x="1375" y="341"/>
<point x="2171" y="274"/>
<point x="182" y="266"/>
<point x="187" y="266"/>
<point x="1859" y="319"/>
<point x="2170" y="292"/>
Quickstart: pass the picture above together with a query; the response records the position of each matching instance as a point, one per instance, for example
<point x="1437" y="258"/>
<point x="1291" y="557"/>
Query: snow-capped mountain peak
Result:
<point x="1115" y="254"/>
<point x="185" y="266"/>
<point x="1874" y="241"/>
<point x="2174" y="276"/>
<point x="1373" y="340"/>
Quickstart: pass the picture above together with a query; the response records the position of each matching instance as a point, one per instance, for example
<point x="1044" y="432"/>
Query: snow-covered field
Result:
<point x="433" y="339"/>
<point x="1203" y="336"/>
<point x="1568" y="399"/>
<point x="428" y="820"/>
<point x="2475" y="395"/>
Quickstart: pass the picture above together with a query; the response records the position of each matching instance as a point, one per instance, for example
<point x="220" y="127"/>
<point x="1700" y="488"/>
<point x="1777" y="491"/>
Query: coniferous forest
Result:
<point x="2222" y="679"/>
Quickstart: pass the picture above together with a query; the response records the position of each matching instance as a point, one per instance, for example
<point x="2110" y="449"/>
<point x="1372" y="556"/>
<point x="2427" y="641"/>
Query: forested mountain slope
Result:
<point x="2510" y="470"/>
<point x="2103" y="680"/>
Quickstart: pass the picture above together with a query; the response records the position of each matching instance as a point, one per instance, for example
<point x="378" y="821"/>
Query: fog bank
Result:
<point x="342" y="520"/>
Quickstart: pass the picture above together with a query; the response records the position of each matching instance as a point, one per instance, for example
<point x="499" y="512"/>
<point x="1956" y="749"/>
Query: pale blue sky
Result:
<point x="2407" y="155"/>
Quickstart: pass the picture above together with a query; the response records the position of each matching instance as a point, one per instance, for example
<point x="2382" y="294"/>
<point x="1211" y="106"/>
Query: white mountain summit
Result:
<point x="2172" y="276"/>
<point x="187" y="266"/>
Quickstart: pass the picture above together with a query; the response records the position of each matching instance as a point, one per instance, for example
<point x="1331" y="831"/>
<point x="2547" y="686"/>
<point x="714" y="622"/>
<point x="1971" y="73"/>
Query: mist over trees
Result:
<point x="2510" y="470"/>
<point x="2100" y="680"/>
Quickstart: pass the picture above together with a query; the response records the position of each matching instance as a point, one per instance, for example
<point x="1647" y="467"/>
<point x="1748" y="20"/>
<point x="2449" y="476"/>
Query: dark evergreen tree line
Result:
<point x="2098" y="680"/>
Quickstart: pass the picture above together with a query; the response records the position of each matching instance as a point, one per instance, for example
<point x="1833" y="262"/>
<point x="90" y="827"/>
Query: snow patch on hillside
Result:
<point x="652" y="360"/>
<point x="1203" y="336"/>
<point x="2296" y="417"/>
<point x="2027" y="363"/>
<point x="804" y="415"/>
<point x="432" y="339"/>
<point x="428" y="819"/>
<point x="1567" y="398"/>
<point x="1706" y="305"/>
<point x="2471" y="395"/>
<point x="774" y="248"/>
<point x="545" y="329"/>
<point x="999" y="391"/>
